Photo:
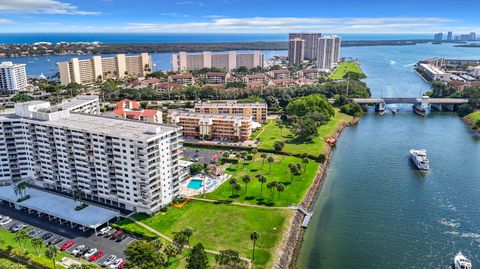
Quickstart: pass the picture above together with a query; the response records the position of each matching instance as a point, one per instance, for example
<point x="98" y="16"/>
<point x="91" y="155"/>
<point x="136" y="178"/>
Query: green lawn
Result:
<point x="224" y="226"/>
<point x="345" y="67"/>
<point x="475" y="116"/>
<point x="7" y="263"/>
<point x="273" y="133"/>
<point x="134" y="228"/>
<point x="9" y="241"/>
<point x="280" y="172"/>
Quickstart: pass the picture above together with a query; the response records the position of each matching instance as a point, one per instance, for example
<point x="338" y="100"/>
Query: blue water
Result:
<point x="194" y="184"/>
<point x="27" y="38"/>
<point x="375" y="210"/>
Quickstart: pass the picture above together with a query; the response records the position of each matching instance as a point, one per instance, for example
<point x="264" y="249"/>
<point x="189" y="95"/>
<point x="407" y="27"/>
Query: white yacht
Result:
<point x="419" y="158"/>
<point x="461" y="262"/>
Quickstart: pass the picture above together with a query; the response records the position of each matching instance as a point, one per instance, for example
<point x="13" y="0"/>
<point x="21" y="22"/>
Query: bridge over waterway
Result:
<point x="420" y="105"/>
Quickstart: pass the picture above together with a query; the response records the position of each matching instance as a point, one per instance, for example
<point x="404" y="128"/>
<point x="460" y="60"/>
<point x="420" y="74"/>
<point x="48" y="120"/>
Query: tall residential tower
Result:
<point x="310" y="45"/>
<point x="13" y="78"/>
<point x="296" y="50"/>
<point x="328" y="51"/>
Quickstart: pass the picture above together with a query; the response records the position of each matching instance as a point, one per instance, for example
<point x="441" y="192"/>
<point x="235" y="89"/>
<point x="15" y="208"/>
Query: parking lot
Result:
<point x="202" y="155"/>
<point x="87" y="238"/>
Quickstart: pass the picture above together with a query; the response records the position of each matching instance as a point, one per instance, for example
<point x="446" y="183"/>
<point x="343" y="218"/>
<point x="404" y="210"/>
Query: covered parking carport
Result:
<point x="59" y="207"/>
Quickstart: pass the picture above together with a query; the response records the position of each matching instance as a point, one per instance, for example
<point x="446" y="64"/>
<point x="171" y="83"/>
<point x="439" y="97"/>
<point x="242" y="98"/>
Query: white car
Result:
<point x="77" y="249"/>
<point x="90" y="253"/>
<point x="116" y="263"/>
<point x="5" y="221"/>
<point x="104" y="230"/>
<point x="109" y="260"/>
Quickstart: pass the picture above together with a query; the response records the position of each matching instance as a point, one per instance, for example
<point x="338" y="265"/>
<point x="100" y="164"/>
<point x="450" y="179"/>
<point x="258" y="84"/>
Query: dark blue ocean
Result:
<point x="28" y="38"/>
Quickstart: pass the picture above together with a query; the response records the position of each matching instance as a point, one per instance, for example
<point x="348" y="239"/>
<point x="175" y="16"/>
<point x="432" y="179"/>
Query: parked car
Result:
<point x="122" y="265"/>
<point x="104" y="230"/>
<point x="5" y="221"/>
<point x="83" y="251"/>
<point x="110" y="232"/>
<point x="116" y="235"/>
<point x="46" y="236"/>
<point x="89" y="253"/>
<point x="55" y="240"/>
<point x="67" y="245"/>
<point x="17" y="227"/>
<point x="121" y="238"/>
<point x="96" y="256"/>
<point x="33" y="233"/>
<point x="77" y="249"/>
<point x="109" y="260"/>
<point x="116" y="263"/>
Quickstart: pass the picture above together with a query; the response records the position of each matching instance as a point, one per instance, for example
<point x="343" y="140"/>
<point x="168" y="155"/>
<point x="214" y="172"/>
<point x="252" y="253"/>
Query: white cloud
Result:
<point x="174" y="14"/>
<point x="5" y="21"/>
<point x="41" y="6"/>
<point x="195" y="3"/>
<point x="286" y="24"/>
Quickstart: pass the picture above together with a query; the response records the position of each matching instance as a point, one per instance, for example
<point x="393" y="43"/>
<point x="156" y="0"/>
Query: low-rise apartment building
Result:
<point x="254" y="78"/>
<point x="227" y="61"/>
<point x="279" y="74"/>
<point x="213" y="126"/>
<point x="184" y="79"/>
<point x="120" y="163"/>
<point x="309" y="73"/>
<point x="129" y="109"/>
<point x="258" y="111"/>
<point x="219" y="78"/>
<point x="96" y="69"/>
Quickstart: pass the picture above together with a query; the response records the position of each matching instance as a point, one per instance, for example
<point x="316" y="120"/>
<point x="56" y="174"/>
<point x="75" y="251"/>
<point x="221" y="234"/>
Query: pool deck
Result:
<point x="185" y="191"/>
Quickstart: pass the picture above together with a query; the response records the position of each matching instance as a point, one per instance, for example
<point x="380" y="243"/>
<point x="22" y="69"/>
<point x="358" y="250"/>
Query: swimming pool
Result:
<point x="195" y="184"/>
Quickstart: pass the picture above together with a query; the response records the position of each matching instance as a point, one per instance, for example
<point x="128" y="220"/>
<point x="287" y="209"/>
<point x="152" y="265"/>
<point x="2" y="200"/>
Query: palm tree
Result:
<point x="305" y="162"/>
<point x="264" y="156"/>
<point x="170" y="251"/>
<point x="238" y="156"/>
<point x="20" y="188"/>
<point x="271" y="185"/>
<point x="280" y="188"/>
<point x="188" y="233"/>
<point x="232" y="182"/>
<point x="246" y="179"/>
<point x="270" y="161"/>
<point x="254" y="237"/>
<point x="236" y="187"/>
<point x="20" y="238"/>
<point x="157" y="244"/>
<point x="281" y="129"/>
<point x="52" y="252"/>
<point x="244" y="157"/>
<point x="262" y="179"/>
<point x="37" y="243"/>
<point x="254" y="152"/>
<point x="226" y="154"/>
<point x="77" y="195"/>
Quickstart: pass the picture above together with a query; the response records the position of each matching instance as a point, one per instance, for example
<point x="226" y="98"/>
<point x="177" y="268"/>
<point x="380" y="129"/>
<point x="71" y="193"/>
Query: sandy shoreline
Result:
<point x="292" y="241"/>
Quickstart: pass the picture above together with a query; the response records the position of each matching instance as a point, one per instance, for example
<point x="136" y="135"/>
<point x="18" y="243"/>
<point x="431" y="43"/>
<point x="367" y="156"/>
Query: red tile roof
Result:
<point x="281" y="71"/>
<point x="180" y="76"/>
<point x="216" y="74"/>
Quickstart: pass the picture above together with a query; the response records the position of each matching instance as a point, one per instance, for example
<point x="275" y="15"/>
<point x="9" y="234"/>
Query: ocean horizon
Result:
<point x="28" y="38"/>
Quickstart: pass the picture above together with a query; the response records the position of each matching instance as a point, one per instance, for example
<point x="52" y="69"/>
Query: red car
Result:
<point x="66" y="245"/>
<point x="117" y="234"/>
<point x="96" y="256"/>
<point x="122" y="265"/>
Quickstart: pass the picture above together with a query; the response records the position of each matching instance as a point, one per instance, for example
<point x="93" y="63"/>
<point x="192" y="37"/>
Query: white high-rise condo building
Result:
<point x="13" y="78"/>
<point x="117" y="162"/>
<point x="310" y="45"/>
<point x="296" y="50"/>
<point x="99" y="69"/>
<point x="328" y="52"/>
<point x="227" y="61"/>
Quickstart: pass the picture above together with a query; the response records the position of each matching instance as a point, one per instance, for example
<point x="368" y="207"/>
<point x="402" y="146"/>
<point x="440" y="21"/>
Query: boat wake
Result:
<point x="453" y="223"/>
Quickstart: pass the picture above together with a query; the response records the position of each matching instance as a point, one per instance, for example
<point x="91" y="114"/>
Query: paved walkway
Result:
<point x="247" y="260"/>
<point x="239" y="204"/>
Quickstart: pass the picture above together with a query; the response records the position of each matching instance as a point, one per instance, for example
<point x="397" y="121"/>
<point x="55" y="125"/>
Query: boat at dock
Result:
<point x="419" y="158"/>
<point x="394" y="108"/>
<point x="461" y="262"/>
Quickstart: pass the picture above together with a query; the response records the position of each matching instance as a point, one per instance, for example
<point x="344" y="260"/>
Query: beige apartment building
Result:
<point x="227" y="61"/>
<point x="258" y="111"/>
<point x="99" y="69"/>
<point x="213" y="126"/>
<point x="296" y="50"/>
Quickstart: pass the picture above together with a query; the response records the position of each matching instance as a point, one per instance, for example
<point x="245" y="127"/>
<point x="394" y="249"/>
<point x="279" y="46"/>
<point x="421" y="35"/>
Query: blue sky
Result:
<point x="239" y="16"/>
